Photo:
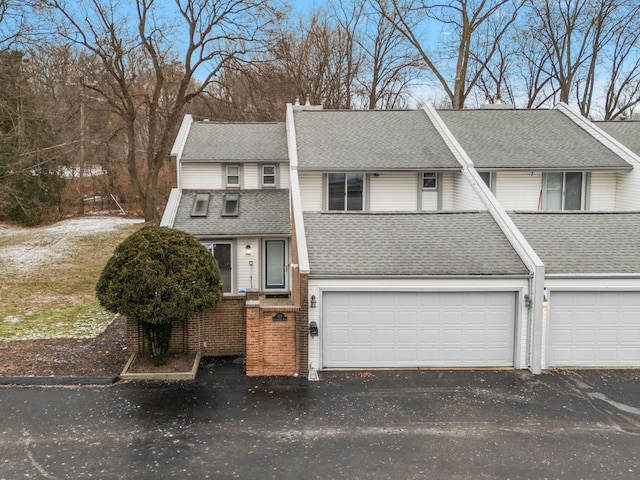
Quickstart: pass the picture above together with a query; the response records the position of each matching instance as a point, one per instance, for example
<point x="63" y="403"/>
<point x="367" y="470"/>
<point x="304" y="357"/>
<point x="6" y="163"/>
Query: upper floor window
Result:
<point x="345" y="191"/>
<point x="429" y="181"/>
<point x="563" y="191"/>
<point x="233" y="176"/>
<point x="490" y="179"/>
<point x="268" y="175"/>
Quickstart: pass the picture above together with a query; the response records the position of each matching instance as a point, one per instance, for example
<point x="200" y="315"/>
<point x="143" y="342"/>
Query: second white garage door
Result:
<point x="594" y="329"/>
<point x="409" y="329"/>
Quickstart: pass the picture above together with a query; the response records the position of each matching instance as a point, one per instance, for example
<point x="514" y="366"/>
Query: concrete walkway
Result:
<point x="353" y="425"/>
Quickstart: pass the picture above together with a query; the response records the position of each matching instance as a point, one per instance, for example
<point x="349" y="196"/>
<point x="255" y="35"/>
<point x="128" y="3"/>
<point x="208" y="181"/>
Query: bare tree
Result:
<point x="142" y="76"/>
<point x="388" y="64"/>
<point x="455" y="64"/>
<point x="623" y="89"/>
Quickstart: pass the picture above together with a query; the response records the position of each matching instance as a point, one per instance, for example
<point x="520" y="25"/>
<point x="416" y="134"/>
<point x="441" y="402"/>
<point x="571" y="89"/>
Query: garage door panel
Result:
<point x="421" y="329"/>
<point x="594" y="329"/>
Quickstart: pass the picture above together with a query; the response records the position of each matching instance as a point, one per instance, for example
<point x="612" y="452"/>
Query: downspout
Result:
<point x="512" y="233"/>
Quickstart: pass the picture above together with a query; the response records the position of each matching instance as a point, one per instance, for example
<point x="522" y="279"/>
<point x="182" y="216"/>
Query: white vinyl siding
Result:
<point x="518" y="190"/>
<point x="251" y="176"/>
<point x="393" y="191"/>
<point x="409" y="329"/>
<point x="311" y="191"/>
<point x="247" y="276"/>
<point x="593" y="329"/>
<point x="446" y="187"/>
<point x="464" y="196"/>
<point x="602" y="192"/>
<point x="201" y="176"/>
<point x="627" y="188"/>
<point x="283" y="173"/>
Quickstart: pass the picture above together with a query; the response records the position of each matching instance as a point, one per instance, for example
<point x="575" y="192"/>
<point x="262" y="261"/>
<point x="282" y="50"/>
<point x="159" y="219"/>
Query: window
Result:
<point x="268" y="175"/>
<point x="563" y="191"/>
<point x="490" y="179"/>
<point x="429" y="181"/>
<point x="230" y="206"/>
<point x="345" y="191"/>
<point x="233" y="176"/>
<point x="200" y="205"/>
<point x="222" y="254"/>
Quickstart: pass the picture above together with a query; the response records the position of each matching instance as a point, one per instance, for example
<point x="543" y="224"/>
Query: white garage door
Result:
<point x="406" y="329"/>
<point x="594" y="329"/>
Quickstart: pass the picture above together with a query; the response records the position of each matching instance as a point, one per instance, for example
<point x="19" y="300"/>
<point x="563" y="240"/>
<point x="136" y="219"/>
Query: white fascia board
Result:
<point x="181" y="138"/>
<point x="296" y="198"/>
<point x="169" y="215"/>
<point x="600" y="135"/>
<point x="517" y="240"/>
<point x="178" y="145"/>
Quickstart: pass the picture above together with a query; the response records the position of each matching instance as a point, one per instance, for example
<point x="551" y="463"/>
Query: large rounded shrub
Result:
<point x="159" y="276"/>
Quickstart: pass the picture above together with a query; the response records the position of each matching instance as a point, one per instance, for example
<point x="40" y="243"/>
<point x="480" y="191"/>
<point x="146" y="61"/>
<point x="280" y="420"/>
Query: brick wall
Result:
<point x="271" y="342"/>
<point x="222" y="329"/>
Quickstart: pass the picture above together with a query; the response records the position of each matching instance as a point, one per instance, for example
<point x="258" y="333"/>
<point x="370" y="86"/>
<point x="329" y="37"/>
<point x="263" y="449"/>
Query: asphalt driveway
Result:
<point x="410" y="424"/>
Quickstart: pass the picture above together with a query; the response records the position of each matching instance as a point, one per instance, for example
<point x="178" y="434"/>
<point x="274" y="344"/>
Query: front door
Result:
<point x="275" y="262"/>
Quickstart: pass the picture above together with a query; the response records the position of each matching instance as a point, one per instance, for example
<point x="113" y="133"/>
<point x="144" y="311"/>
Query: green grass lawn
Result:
<point x="48" y="276"/>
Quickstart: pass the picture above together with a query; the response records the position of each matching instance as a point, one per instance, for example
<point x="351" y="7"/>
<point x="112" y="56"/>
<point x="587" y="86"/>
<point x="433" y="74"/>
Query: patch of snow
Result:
<point x="11" y="319"/>
<point x="50" y="243"/>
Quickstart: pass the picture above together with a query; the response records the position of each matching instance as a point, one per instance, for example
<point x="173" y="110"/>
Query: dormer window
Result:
<point x="200" y="205"/>
<point x="233" y="176"/>
<point x="230" y="205"/>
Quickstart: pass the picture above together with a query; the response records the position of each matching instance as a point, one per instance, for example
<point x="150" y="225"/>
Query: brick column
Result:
<point x="255" y="349"/>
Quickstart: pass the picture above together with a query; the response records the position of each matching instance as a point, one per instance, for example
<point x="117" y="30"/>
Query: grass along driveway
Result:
<point x="48" y="276"/>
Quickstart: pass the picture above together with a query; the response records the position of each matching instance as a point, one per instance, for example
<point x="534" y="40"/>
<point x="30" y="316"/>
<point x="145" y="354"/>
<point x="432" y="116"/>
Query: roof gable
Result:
<point x="235" y="142"/>
<point x="370" y="140"/>
<point x="528" y="140"/>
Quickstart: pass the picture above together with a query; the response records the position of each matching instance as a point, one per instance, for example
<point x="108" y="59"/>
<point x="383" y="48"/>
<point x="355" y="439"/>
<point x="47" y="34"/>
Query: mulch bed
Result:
<point x="101" y="356"/>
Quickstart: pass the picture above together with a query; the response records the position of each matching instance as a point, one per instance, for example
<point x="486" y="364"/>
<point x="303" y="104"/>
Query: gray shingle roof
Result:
<point x="529" y="140"/>
<point x="463" y="243"/>
<point x="627" y="133"/>
<point x="260" y="212"/>
<point x="583" y="242"/>
<point x="235" y="142"/>
<point x="368" y="140"/>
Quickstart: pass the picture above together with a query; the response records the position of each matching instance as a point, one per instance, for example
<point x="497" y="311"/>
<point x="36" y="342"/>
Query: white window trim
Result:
<point x="275" y="175"/>
<point x="435" y="178"/>
<point x="226" y="176"/>
<point x="583" y="194"/>
<point x="365" y="196"/>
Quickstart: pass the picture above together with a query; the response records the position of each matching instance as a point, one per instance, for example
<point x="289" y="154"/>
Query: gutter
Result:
<point x="598" y="276"/>
<point x="418" y="277"/>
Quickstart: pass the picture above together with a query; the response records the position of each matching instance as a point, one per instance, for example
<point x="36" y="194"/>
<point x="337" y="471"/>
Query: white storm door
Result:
<point x="275" y="264"/>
